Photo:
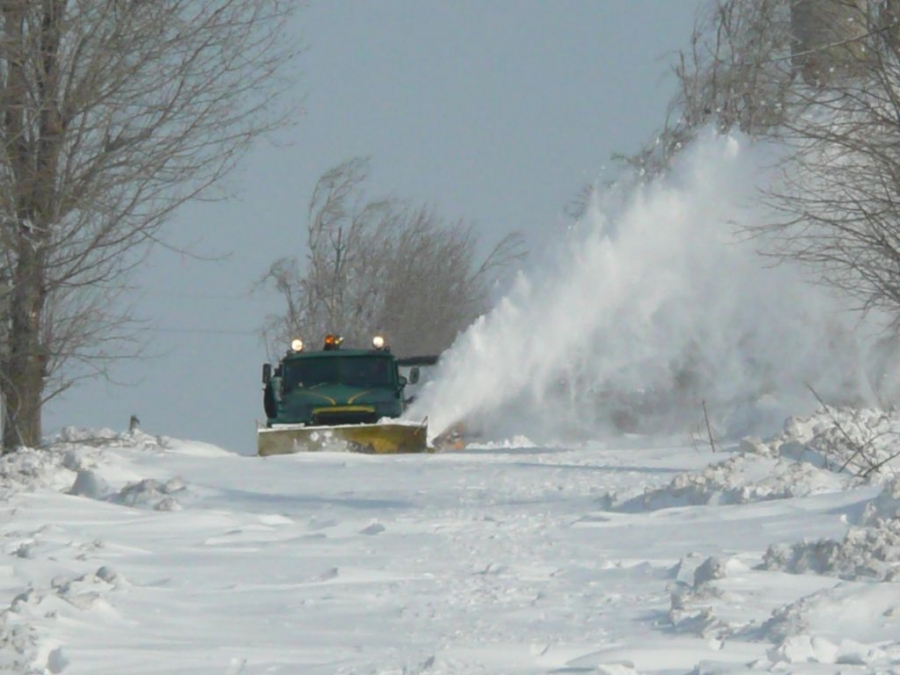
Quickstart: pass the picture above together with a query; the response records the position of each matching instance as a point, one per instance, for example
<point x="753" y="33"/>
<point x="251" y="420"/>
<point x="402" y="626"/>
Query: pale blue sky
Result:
<point x="494" y="111"/>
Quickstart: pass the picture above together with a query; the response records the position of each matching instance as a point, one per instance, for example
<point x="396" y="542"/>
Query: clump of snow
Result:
<point x="57" y="660"/>
<point x="78" y="458"/>
<point x="751" y="445"/>
<point x="885" y="507"/>
<point x="694" y="594"/>
<point x="89" y="483"/>
<point x="711" y="568"/>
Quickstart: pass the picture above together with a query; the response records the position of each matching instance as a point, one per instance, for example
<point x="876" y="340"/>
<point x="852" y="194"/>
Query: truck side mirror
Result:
<point x="414" y="375"/>
<point x="266" y="372"/>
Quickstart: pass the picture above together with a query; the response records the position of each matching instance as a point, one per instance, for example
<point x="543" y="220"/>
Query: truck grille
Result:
<point x="334" y="417"/>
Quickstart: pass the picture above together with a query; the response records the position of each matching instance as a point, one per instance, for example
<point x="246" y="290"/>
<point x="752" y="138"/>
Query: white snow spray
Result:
<point x="654" y="309"/>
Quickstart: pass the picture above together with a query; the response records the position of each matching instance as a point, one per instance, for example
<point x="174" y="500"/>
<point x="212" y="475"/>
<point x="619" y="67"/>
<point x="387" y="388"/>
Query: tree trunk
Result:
<point x="34" y="164"/>
<point x="24" y="381"/>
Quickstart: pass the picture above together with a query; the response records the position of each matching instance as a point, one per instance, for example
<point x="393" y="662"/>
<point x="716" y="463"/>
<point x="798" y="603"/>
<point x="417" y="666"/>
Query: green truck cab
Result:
<point x="333" y="386"/>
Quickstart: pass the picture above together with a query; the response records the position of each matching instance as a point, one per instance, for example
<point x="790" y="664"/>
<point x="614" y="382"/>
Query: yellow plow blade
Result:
<point x="375" y="439"/>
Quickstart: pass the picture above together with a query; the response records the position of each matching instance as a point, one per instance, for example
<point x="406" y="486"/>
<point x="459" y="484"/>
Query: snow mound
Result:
<point x="89" y="483"/>
<point x="851" y="623"/>
<point x="151" y="493"/>
<point x="740" y="479"/>
<point x="690" y="609"/>
<point x="716" y="599"/>
<point x="29" y="469"/>
<point x="147" y="493"/>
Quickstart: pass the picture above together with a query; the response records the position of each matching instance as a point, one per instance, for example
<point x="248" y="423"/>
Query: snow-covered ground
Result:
<point x="617" y="554"/>
<point x="130" y="553"/>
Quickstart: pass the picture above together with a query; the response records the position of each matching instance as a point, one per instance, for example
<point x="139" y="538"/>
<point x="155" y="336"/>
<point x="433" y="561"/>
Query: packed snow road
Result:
<point x="142" y="555"/>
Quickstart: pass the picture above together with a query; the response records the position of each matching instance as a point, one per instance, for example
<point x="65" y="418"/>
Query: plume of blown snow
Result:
<point x="655" y="304"/>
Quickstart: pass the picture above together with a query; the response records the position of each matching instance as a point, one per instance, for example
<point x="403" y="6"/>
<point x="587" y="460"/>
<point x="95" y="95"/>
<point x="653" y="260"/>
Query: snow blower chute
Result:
<point x="337" y="399"/>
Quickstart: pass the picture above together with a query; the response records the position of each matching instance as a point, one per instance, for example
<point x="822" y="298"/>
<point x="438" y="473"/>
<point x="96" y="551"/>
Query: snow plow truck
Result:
<point x="337" y="399"/>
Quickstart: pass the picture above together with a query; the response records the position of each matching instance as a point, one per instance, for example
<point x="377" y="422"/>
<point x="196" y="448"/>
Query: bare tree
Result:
<point x="112" y="114"/>
<point x="838" y="200"/>
<point x="382" y="266"/>
<point x="741" y="69"/>
<point x="736" y="74"/>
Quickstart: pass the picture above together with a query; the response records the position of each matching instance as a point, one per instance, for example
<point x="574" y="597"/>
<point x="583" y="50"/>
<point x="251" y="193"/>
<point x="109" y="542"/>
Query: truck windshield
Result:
<point x="359" y="371"/>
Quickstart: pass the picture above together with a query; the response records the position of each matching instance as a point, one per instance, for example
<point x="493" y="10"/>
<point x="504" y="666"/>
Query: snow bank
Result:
<point x="850" y="624"/>
<point x="825" y="452"/>
<point x="870" y="549"/>
<point x="862" y="442"/>
<point x="864" y="553"/>
<point x="740" y="479"/>
<point x="84" y="463"/>
<point x="857" y="445"/>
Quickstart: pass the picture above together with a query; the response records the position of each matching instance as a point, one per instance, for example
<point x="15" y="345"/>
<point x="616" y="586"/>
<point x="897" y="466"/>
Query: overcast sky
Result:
<point x="494" y="111"/>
